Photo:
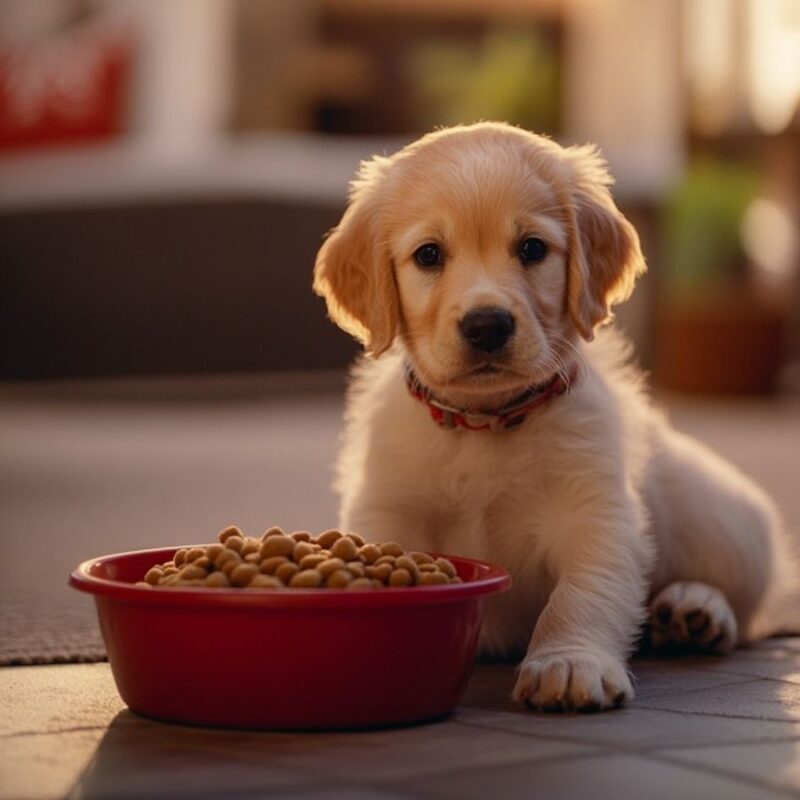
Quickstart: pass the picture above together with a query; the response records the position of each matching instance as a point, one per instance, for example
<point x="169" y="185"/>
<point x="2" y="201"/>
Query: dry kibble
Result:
<point x="344" y="548"/>
<point x="277" y="546"/>
<point x="446" y="567"/>
<point x="357" y="568"/>
<point x="154" y="574"/>
<point x="243" y="574"/>
<point x="264" y="582"/>
<point x="217" y="579"/>
<point x="327" y="538"/>
<point x="406" y="563"/>
<point x="379" y="571"/>
<point x="269" y="565"/>
<point x="299" y="560"/>
<point x="226" y="534"/>
<point x="250" y="546"/>
<point x="400" y="577"/>
<point x="307" y="579"/>
<point x="339" y="579"/>
<point x="329" y="566"/>
<point x="287" y="571"/>
<point x="369" y="553"/>
<point x="312" y="561"/>
<point x="144" y="585"/>
<point x="360" y="583"/>
<point x="213" y="550"/>
<point x="432" y="578"/>
<point x="191" y="571"/>
<point x="301" y="550"/>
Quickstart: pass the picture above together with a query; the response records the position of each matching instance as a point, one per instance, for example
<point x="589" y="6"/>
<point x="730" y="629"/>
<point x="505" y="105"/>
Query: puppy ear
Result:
<point x="353" y="271"/>
<point x="605" y="257"/>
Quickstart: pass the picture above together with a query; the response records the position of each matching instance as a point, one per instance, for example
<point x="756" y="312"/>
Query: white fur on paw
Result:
<point x="693" y="616"/>
<point x="579" y="680"/>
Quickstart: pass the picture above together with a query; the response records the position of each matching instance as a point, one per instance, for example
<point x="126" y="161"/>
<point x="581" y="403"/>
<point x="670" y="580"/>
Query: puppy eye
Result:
<point x="532" y="251"/>
<point x="428" y="255"/>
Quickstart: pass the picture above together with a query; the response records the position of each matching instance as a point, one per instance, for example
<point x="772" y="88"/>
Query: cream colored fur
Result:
<point x="595" y="504"/>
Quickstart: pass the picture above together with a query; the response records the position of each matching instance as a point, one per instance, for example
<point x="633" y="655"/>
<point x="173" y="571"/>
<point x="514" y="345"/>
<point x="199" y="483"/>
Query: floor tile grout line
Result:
<point x="685" y="712"/>
<point x="705" y="769"/>
<point x="616" y="748"/>
<point x="684" y="692"/>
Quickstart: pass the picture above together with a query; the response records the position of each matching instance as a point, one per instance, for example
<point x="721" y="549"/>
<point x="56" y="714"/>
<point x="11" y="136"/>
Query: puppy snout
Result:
<point x="487" y="329"/>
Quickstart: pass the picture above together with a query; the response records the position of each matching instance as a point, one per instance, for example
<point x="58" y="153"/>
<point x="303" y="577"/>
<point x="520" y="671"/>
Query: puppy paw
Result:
<point x="572" y="681"/>
<point x="692" y="616"/>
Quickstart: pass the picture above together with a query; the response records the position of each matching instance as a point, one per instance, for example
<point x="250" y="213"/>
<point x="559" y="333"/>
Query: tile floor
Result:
<point x="700" y="728"/>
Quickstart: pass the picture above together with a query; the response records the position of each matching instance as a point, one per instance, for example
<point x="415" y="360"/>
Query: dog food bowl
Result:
<point x="287" y="658"/>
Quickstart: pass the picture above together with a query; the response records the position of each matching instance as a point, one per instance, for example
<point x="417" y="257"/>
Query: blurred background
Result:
<point x="168" y="171"/>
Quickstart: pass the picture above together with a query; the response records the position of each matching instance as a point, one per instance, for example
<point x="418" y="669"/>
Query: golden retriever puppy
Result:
<point x="489" y="421"/>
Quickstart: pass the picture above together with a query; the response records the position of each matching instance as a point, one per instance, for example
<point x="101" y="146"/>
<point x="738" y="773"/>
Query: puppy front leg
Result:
<point x="577" y="654"/>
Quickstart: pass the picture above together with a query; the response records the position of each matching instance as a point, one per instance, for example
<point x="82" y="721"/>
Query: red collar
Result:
<point x="506" y="418"/>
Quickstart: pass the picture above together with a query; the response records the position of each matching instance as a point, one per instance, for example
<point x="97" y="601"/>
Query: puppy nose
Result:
<point x="487" y="329"/>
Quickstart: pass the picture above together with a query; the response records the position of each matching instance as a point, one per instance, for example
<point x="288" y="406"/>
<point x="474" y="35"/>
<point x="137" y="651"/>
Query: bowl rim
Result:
<point x="494" y="579"/>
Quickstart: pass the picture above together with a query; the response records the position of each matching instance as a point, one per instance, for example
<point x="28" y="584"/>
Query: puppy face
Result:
<point x="488" y="250"/>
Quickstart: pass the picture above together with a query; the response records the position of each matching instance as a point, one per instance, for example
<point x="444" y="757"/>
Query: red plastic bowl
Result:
<point x="298" y="658"/>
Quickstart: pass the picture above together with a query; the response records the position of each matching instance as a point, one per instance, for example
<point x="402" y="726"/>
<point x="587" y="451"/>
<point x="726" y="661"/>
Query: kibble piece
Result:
<point x="217" y="579"/>
<point x="144" y="585"/>
<point x="269" y="565"/>
<point x="380" y="571"/>
<point x="369" y="553"/>
<point x="226" y="534"/>
<point x="250" y="546"/>
<point x="420" y="558"/>
<point x="391" y="549"/>
<point x="170" y="571"/>
<point x="277" y="546"/>
<point x="446" y="567"/>
<point x="275" y="530"/>
<point x="312" y="560"/>
<point x="386" y="560"/>
<point x="243" y="574"/>
<point x="264" y="582"/>
<point x="231" y="564"/>
<point x="195" y="553"/>
<point x="307" y="579"/>
<point x="428" y="567"/>
<point x="406" y="563"/>
<point x="359" y="540"/>
<point x="190" y="572"/>
<point x="213" y="550"/>
<point x="327" y="538"/>
<point x="301" y="536"/>
<point x="339" y="579"/>
<point x="432" y="578"/>
<point x="225" y="556"/>
<point x="301" y="550"/>
<point x="253" y="558"/>
<point x="285" y="572"/>
<point x="154" y="574"/>
<point x="329" y="566"/>
<point x="344" y="548"/>
<point x="400" y="577"/>
<point x="357" y="568"/>
<point x="180" y="557"/>
<point x="360" y="583"/>
<point x="234" y="543"/>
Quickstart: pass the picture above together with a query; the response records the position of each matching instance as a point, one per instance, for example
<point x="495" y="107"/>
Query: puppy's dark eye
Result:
<point x="532" y="251"/>
<point x="428" y="255"/>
